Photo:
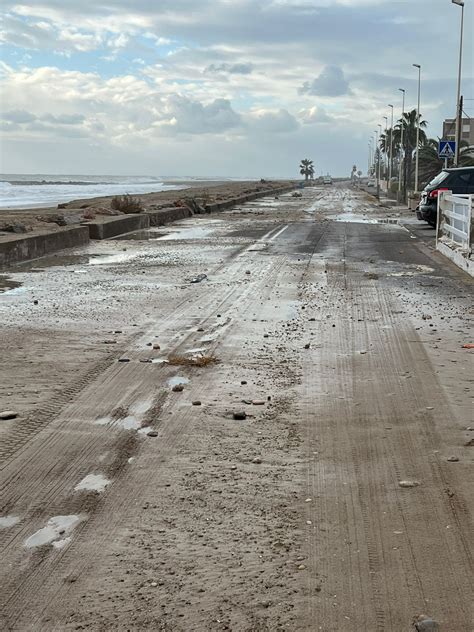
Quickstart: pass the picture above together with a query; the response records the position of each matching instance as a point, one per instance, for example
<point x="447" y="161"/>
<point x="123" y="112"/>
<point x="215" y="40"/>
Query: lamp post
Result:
<point x="378" y="160"/>
<point x="377" y="155"/>
<point x="401" y="161"/>
<point x="458" y="100"/>
<point x="417" y="162"/>
<point x="370" y="158"/>
<point x="390" y="164"/>
<point x="385" y="149"/>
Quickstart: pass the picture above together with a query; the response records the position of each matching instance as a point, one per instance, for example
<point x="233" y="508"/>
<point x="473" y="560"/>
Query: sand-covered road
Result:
<point x="340" y="497"/>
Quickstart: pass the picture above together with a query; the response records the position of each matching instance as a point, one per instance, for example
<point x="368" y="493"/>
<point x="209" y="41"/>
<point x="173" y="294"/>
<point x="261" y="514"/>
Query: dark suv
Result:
<point x="457" y="181"/>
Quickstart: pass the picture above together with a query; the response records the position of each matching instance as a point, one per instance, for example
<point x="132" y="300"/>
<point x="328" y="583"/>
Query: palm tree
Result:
<point x="431" y="164"/>
<point x="307" y="168"/>
<point x="408" y="123"/>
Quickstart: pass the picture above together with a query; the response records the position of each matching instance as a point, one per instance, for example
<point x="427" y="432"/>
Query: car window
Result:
<point x="460" y="180"/>
<point x="439" y="178"/>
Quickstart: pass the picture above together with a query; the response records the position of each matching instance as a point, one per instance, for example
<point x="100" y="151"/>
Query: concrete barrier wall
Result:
<point x="113" y="226"/>
<point x="25" y="248"/>
<point x="167" y="215"/>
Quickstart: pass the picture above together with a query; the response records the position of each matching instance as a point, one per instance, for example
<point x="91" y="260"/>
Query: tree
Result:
<point x="307" y="168"/>
<point x="408" y="124"/>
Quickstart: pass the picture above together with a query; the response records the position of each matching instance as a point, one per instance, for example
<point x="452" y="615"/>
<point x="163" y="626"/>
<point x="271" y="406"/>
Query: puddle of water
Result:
<point x="60" y="544"/>
<point x="141" y="235"/>
<point x="93" y="483"/>
<point x="103" y="421"/>
<point x="8" y="521"/>
<point x="188" y="233"/>
<point x="292" y="310"/>
<point x="145" y="429"/>
<point x="132" y="421"/>
<point x="7" y="285"/>
<point x="176" y="380"/>
<point x="14" y="291"/>
<point x="97" y="260"/>
<point x="55" y="529"/>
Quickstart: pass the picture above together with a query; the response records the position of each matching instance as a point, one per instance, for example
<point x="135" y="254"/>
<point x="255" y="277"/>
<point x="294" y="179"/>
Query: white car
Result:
<point x="370" y="183"/>
<point x="327" y="180"/>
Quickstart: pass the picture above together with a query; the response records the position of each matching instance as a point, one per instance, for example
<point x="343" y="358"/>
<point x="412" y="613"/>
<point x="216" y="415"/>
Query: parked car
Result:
<point x="327" y="180"/>
<point x="458" y="180"/>
<point x="370" y="182"/>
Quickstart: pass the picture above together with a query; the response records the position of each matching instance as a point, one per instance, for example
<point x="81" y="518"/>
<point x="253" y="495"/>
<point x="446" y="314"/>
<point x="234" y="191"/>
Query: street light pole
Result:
<point x="377" y="155"/>
<point x="378" y="160"/>
<point x="401" y="157"/>
<point x="417" y="162"/>
<point x="390" y="165"/>
<point x="458" y="100"/>
<point x="385" y="150"/>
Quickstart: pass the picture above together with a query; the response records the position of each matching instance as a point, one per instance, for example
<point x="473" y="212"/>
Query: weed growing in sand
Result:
<point x="126" y="204"/>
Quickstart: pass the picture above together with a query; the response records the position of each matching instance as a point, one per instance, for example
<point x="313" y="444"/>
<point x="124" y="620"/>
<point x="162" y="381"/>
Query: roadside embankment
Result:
<point x="95" y="219"/>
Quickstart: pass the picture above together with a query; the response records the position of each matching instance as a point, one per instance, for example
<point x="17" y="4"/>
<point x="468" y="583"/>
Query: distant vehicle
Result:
<point x="370" y="182"/>
<point x="458" y="180"/>
<point x="327" y="180"/>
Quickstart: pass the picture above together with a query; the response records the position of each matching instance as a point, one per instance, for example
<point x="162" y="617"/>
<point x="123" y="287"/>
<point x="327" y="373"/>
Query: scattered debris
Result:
<point x="194" y="361"/>
<point x="156" y="346"/>
<point x="307" y="345"/>
<point x="409" y="483"/>
<point x="178" y="388"/>
<point x="257" y="459"/>
<point x="427" y="317"/>
<point x="196" y="403"/>
<point x="240" y="415"/>
<point x="152" y="433"/>
<point x="124" y="359"/>
<point x="453" y="459"/>
<point x="198" y="278"/>
<point x="8" y="414"/>
<point x="423" y="623"/>
<point x="371" y="275"/>
<point x="110" y="342"/>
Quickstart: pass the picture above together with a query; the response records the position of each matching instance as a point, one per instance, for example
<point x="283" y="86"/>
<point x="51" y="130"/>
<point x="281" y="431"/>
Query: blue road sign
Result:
<point x="446" y="149"/>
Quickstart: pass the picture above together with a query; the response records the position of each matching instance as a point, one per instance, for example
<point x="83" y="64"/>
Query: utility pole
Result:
<point x="401" y="157"/>
<point x="459" y="98"/>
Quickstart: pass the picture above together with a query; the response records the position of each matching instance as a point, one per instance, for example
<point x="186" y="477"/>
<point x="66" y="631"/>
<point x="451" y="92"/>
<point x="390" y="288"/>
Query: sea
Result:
<point x="40" y="190"/>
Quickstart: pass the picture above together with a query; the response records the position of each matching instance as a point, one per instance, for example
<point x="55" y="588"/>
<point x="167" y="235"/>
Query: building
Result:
<point x="467" y="132"/>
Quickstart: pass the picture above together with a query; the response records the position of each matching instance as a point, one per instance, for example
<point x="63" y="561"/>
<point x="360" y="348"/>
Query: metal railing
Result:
<point x="456" y="221"/>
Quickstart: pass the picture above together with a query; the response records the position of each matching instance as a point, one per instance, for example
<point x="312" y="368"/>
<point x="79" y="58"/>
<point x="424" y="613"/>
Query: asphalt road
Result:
<point x="340" y="502"/>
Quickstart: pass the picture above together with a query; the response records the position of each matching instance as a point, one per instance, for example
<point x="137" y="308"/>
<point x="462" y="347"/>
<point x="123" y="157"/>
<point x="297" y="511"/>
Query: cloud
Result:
<point x="314" y="115"/>
<point x="183" y="115"/>
<point x="330" y="83"/>
<point x="271" y="121"/>
<point x="18" y="116"/>
<point x="232" y="69"/>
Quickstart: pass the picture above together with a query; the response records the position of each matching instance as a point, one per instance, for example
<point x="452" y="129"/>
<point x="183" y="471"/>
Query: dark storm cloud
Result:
<point x="330" y="83"/>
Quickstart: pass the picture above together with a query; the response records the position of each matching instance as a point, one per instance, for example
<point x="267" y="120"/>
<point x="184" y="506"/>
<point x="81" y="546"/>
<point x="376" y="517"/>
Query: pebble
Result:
<point x="240" y="415"/>
<point x="307" y="345"/>
<point x="301" y="567"/>
<point x="35" y="302"/>
<point x="196" y="403"/>
<point x="124" y="359"/>
<point x="152" y="433"/>
<point x="243" y="382"/>
<point x="8" y="414"/>
<point x="453" y="459"/>
<point x="425" y="624"/>
<point x="257" y="459"/>
<point x="156" y="346"/>
<point x="408" y="483"/>
<point x="178" y="388"/>
<point x="258" y="402"/>
<point x="110" y="342"/>
<point x="154" y="584"/>
<point x="247" y="271"/>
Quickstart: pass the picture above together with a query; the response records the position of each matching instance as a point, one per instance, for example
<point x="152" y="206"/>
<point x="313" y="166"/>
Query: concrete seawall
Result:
<point x="24" y="248"/>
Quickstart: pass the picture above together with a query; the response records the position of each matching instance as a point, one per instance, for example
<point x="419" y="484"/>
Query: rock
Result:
<point x="240" y="415"/>
<point x="265" y="335"/>
<point x="149" y="344"/>
<point x="453" y="459"/>
<point x="301" y="567"/>
<point x="408" y="484"/>
<point x="118" y="331"/>
<point x="243" y="382"/>
<point x="469" y="444"/>
<point x="307" y="345"/>
<point x="197" y="403"/>
<point x="16" y="228"/>
<point x="8" y="414"/>
<point x="178" y="388"/>
<point x="68" y="220"/>
<point x="198" y="278"/>
<point x="35" y="302"/>
<point x="124" y="359"/>
<point x="106" y="211"/>
<point x="258" y="402"/>
<point x="154" y="584"/>
<point x="110" y="342"/>
<point x="424" y="623"/>
<point x="257" y="460"/>
<point x="247" y="272"/>
<point x="152" y="433"/>
<point x="89" y="214"/>
<point x="311" y="320"/>
<point x="63" y="205"/>
<point x="201" y="329"/>
<point x="156" y="346"/>
<point x="426" y="317"/>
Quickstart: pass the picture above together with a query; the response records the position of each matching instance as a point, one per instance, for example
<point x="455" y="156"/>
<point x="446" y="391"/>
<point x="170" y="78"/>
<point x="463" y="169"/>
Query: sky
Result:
<point x="243" y="88"/>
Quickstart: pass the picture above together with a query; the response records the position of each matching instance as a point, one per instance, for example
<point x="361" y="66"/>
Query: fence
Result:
<point x="455" y="230"/>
